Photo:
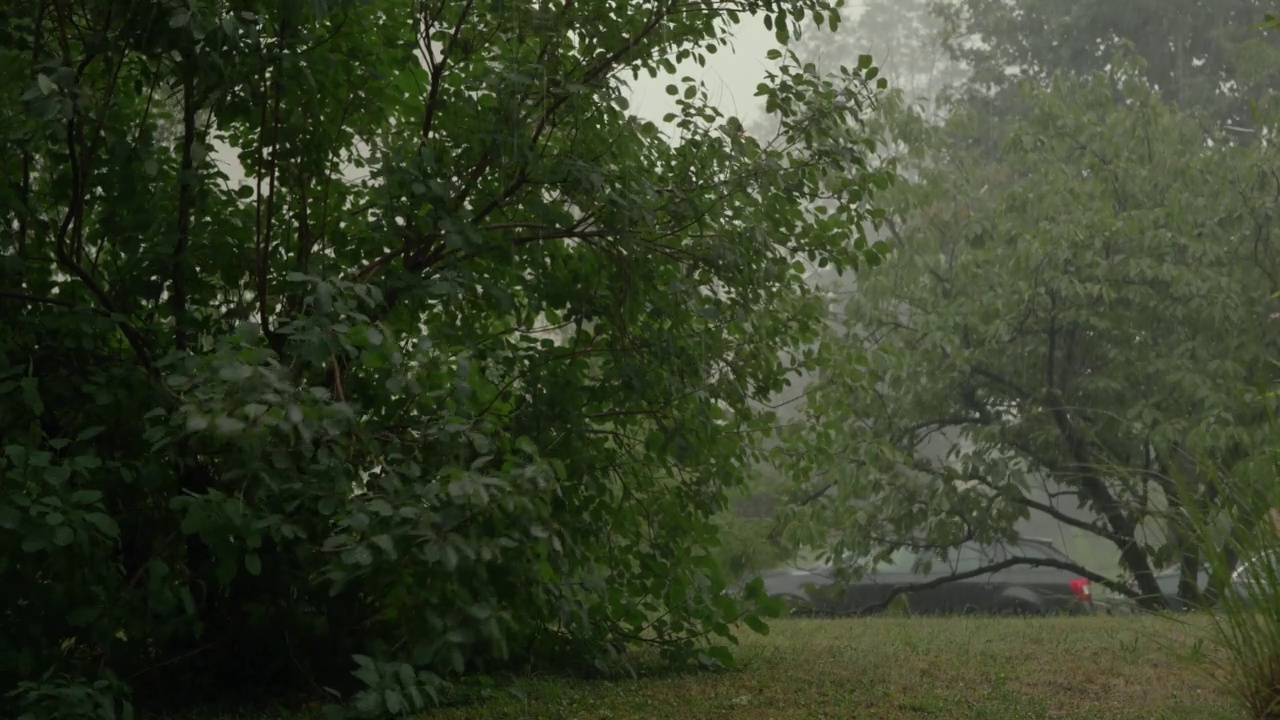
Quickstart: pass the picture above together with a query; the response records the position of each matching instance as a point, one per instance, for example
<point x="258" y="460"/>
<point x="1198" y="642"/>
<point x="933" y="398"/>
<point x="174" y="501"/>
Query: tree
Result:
<point x="1208" y="55"/>
<point x="905" y="38"/>
<point x="1085" y="314"/>
<point x="381" y="335"/>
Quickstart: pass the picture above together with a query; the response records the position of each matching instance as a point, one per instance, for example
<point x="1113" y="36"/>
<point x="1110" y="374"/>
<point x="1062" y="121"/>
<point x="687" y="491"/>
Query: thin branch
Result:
<point x="264" y="225"/>
<point x="907" y="588"/>
<point x="186" y="202"/>
<point x="438" y="68"/>
<point x="40" y="300"/>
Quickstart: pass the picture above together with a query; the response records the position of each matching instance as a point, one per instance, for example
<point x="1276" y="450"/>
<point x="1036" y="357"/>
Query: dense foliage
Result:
<point x="378" y="335"/>
<point x="1089" y="315"/>
<point x="906" y="38"/>
<point x="1207" y="55"/>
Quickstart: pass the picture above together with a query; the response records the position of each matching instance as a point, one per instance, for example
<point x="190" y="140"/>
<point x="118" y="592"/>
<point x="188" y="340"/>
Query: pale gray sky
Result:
<point x="731" y="76"/>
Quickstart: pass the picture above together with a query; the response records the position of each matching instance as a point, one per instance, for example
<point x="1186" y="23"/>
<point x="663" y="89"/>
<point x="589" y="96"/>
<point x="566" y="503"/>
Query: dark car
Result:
<point x="1018" y="589"/>
<point x="1167" y="580"/>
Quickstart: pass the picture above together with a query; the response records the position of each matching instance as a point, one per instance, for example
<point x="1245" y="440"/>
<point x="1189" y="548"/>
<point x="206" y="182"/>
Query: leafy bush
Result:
<point x="1119" y="333"/>
<point x="1241" y="551"/>
<point x="745" y="547"/>
<point x="313" y="360"/>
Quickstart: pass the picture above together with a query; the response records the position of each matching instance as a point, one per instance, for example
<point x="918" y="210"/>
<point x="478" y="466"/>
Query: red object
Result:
<point x="1082" y="589"/>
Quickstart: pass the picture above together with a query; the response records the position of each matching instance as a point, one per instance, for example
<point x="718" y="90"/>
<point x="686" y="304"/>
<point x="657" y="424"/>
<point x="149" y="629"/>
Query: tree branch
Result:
<point x="438" y="67"/>
<point x="186" y="201"/>
<point x="907" y="588"/>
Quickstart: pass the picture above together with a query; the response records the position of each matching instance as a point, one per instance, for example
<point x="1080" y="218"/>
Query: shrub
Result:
<point x="323" y="372"/>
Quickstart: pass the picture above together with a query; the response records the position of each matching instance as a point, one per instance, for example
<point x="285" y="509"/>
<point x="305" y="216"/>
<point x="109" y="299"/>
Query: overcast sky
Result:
<point x="731" y="76"/>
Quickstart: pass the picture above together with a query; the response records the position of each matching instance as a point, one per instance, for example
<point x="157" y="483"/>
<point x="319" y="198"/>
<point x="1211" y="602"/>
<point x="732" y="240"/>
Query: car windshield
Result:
<point x="1034" y="549"/>
<point x="965" y="558"/>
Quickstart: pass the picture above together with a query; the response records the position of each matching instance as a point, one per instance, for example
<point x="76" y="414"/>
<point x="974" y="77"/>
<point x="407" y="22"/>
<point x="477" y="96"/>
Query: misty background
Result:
<point x="902" y="37"/>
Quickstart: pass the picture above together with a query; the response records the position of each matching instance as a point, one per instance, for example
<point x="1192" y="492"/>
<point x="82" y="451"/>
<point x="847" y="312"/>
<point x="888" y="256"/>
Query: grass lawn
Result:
<point x="1085" y="668"/>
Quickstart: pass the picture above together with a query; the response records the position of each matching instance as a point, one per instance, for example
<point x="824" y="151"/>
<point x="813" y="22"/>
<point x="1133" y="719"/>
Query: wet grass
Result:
<point x="894" y="668"/>
<point x="1091" y="668"/>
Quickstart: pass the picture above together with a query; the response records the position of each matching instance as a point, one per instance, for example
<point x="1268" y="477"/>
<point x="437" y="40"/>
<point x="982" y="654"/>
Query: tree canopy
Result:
<point x="382" y="336"/>
<point x="1083" y="320"/>
<point x="1208" y="55"/>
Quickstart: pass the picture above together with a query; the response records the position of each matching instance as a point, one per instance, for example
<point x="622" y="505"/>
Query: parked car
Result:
<point x="1167" y="580"/>
<point x="1263" y="566"/>
<point x="1112" y="603"/>
<point x="1019" y="589"/>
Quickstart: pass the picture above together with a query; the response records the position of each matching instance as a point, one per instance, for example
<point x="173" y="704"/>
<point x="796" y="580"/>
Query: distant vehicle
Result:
<point x="1016" y="590"/>
<point x="1261" y="568"/>
<point x="1167" y="580"/>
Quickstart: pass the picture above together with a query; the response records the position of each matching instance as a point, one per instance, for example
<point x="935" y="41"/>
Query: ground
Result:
<point x="895" y="668"/>
<point x="1092" y="668"/>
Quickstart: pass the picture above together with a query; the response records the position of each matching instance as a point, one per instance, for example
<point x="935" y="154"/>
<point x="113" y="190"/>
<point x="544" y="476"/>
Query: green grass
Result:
<point x="1070" y="668"/>
<point x="1093" y="668"/>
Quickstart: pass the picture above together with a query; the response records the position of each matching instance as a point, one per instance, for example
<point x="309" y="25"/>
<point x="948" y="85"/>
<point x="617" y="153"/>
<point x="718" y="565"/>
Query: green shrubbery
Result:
<point x="1240" y="545"/>
<point x="314" y="361"/>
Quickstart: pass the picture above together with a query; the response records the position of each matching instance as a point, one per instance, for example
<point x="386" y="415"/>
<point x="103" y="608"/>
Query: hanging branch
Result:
<point x="186" y="202"/>
<point x="266" y="224"/>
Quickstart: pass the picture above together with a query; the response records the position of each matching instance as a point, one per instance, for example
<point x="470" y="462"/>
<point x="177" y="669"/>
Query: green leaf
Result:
<point x="10" y="518"/>
<point x="228" y="425"/>
<point x="103" y="523"/>
<point x="720" y="656"/>
<point x="86" y="497"/>
<point x="31" y="395"/>
<point x="63" y="535"/>
<point x="83" y="616"/>
<point x="394" y="701"/>
<point x="756" y="624"/>
<point x="90" y="433"/>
